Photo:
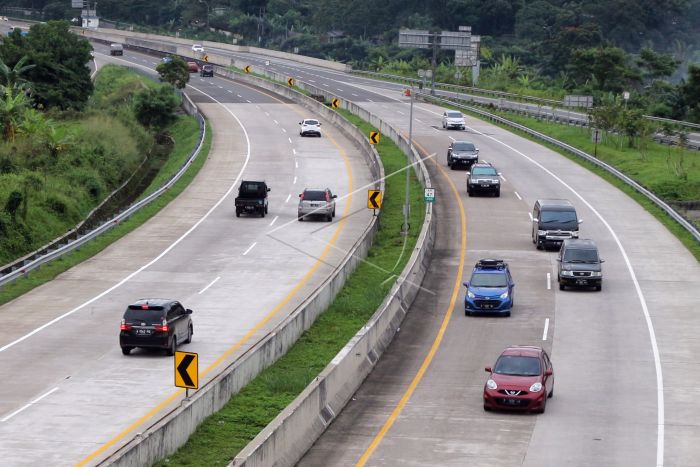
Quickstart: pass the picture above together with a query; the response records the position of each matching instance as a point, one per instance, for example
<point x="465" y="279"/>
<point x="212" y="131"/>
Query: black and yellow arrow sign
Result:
<point x="374" y="199"/>
<point x="206" y="58"/>
<point x="335" y="102"/>
<point x="290" y="81"/>
<point x="373" y="137"/>
<point x="246" y="68"/>
<point x="186" y="370"/>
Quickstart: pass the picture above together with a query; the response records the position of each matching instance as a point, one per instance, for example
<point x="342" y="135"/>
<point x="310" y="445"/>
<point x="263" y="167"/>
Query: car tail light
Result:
<point x="301" y="197"/>
<point x="124" y="326"/>
<point x="327" y="197"/>
<point x="163" y="327"/>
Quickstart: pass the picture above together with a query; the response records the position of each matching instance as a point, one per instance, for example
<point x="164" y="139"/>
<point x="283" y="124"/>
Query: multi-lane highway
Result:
<point x="68" y="393"/>
<point x="626" y="376"/>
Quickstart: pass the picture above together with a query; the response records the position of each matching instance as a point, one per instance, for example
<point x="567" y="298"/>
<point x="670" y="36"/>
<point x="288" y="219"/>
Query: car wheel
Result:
<point x="551" y="393"/>
<point x="539" y="244"/>
<point x="190" y="331"/>
<point x="300" y="217"/>
<point x="498" y="193"/>
<point x="333" y="212"/>
<point x="544" y="406"/>
<point x="262" y="212"/>
<point x="265" y="209"/>
<point x="561" y="286"/>
<point x="329" y="217"/>
<point x="126" y="350"/>
<point x="173" y="347"/>
<point x="238" y="213"/>
<point x="598" y="288"/>
<point x="487" y="408"/>
<point x="507" y="314"/>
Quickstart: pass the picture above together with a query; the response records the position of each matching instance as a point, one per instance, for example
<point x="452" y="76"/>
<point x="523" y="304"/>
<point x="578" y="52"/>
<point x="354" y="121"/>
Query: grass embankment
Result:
<point x="186" y="130"/>
<point x="221" y="436"/>
<point x="672" y="173"/>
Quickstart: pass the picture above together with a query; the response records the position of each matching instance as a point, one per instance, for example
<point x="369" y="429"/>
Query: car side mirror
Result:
<point x="602" y="260"/>
<point x="268" y="189"/>
<point x="468" y="173"/>
<point x="466" y="284"/>
<point x="477" y="150"/>
<point x="549" y="372"/>
<point x="559" y="260"/>
<point x="300" y="123"/>
<point x="487" y="369"/>
<point x="534" y="219"/>
<point x="319" y="124"/>
<point x="299" y="195"/>
<point x="334" y="196"/>
<point x="188" y="311"/>
<point x="499" y="174"/>
<point x="580" y="220"/>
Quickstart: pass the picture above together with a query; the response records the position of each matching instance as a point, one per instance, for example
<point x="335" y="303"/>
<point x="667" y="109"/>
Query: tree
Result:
<point x="13" y="104"/>
<point x="606" y="66"/>
<point x="655" y="65"/>
<point x="690" y="92"/>
<point x="155" y="108"/>
<point x="13" y="77"/>
<point x="174" y="72"/>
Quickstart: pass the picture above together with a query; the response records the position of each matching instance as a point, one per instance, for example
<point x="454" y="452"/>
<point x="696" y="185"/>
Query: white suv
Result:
<point x="453" y="119"/>
<point x="310" y="126"/>
<point x="197" y="48"/>
<point x="316" y="202"/>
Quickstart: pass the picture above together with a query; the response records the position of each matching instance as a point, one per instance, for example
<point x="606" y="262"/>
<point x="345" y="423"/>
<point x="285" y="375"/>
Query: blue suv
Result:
<point x="490" y="289"/>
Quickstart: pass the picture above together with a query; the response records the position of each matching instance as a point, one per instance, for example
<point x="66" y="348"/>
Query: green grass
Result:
<point x="653" y="169"/>
<point x="221" y="436"/>
<point x="189" y="130"/>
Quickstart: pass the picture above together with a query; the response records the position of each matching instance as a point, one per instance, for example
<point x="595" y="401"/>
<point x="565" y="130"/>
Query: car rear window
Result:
<point x="311" y="122"/>
<point x="454" y="114"/>
<point x="144" y="316"/>
<point x="517" y="365"/>
<point x="252" y="190"/>
<point x="484" y="171"/>
<point x="464" y="147"/>
<point x="314" y="195"/>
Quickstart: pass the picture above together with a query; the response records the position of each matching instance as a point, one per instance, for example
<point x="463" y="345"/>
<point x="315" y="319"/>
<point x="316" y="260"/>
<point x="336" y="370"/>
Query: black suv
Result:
<point x="462" y="153"/>
<point x="483" y="177"/>
<point x="155" y="323"/>
<point x="206" y="70"/>
<point x="579" y="264"/>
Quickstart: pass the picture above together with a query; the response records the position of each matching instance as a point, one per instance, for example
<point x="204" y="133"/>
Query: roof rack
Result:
<point x="491" y="264"/>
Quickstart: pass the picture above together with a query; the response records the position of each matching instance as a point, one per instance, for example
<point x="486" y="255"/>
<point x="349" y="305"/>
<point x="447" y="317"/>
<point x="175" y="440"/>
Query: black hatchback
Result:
<point x="155" y="323"/>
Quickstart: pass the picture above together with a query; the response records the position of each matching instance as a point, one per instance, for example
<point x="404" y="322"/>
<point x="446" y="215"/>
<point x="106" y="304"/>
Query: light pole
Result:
<point x="207" y="5"/>
<point x="407" y="206"/>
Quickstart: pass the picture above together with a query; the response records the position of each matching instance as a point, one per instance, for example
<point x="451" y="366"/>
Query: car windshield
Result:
<point x="454" y="115"/>
<point x="575" y="255"/>
<point x="463" y="147"/>
<point x="562" y="217"/>
<point x="484" y="171"/>
<point x="310" y="122"/>
<point x="517" y="365"/>
<point x="314" y="196"/>
<point x="491" y="279"/>
<point x="149" y="317"/>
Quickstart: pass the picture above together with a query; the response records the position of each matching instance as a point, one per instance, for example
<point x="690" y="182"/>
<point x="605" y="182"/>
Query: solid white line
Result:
<point x="289" y="196"/>
<point x="274" y="220"/>
<point x="640" y="295"/>
<point x="516" y="194"/>
<point x="549" y="281"/>
<point x="456" y="140"/>
<point x="295" y="181"/>
<point x="504" y="178"/>
<point x="210" y="284"/>
<point x="546" y="328"/>
<point x="164" y="252"/>
<point x="250" y="248"/>
<point x="419" y="120"/>
<point x="26" y="406"/>
<point x="530" y="214"/>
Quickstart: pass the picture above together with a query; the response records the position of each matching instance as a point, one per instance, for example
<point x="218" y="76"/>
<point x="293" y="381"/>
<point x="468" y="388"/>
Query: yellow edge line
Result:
<point x="257" y="327"/>
<point x="438" y="339"/>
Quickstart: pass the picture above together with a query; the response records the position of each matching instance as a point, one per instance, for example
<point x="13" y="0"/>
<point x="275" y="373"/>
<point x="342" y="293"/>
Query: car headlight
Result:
<point x="541" y="232"/>
<point x="491" y="384"/>
<point x="597" y="274"/>
<point x="504" y="294"/>
<point x="470" y="294"/>
<point x="574" y="234"/>
<point x="495" y="180"/>
<point x="537" y="387"/>
<point x="567" y="273"/>
<point x="260" y="202"/>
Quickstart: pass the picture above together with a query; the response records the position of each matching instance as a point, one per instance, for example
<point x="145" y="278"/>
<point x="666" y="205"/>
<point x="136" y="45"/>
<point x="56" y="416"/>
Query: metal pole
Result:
<point x="432" y="78"/>
<point x="407" y="206"/>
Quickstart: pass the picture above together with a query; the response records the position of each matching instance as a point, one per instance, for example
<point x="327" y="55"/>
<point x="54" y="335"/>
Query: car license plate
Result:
<point x="512" y="401"/>
<point x="582" y="281"/>
<point x="488" y="306"/>
<point x="485" y="184"/>
<point x="144" y="332"/>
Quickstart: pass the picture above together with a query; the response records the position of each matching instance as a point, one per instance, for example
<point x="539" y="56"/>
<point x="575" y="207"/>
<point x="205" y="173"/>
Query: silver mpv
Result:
<point x="317" y="202"/>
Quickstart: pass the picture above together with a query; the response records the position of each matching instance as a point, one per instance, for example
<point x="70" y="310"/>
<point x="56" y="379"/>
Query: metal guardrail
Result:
<point x="675" y="215"/>
<point x="51" y="255"/>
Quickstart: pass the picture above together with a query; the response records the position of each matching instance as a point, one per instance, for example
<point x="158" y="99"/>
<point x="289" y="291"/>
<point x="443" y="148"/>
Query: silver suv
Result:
<point x="317" y="202"/>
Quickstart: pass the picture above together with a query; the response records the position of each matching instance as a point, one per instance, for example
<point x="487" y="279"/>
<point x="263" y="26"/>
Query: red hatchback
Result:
<point x="522" y="379"/>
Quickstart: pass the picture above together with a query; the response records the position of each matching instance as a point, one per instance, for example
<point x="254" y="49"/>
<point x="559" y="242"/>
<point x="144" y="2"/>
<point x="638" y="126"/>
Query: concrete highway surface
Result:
<point x="69" y="395"/>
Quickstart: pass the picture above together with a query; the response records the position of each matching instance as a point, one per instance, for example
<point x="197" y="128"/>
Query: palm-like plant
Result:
<point x="13" y="104"/>
<point x="12" y="77"/>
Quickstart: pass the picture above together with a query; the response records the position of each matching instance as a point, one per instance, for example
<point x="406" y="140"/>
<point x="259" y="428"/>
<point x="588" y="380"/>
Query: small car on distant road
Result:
<point x="197" y="48"/>
<point x="310" y="126"/>
<point x="483" y="178"/>
<point x="316" y="202"/>
<point x="462" y="153"/>
<point x="490" y="289"/>
<point x="207" y="70"/>
<point x="453" y="119"/>
<point x="155" y="323"/>
<point x="522" y="379"/>
<point x="192" y="67"/>
<point x="579" y="264"/>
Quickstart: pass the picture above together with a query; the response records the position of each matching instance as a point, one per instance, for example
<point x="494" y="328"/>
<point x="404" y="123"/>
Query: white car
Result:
<point x="453" y="119"/>
<point x="310" y="126"/>
<point x="197" y="48"/>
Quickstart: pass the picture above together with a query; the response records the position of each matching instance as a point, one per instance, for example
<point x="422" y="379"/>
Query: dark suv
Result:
<point x="579" y="264"/>
<point x="484" y="178"/>
<point x="462" y="153"/>
<point x="490" y="289"/>
<point x="206" y="70"/>
<point x="155" y="323"/>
